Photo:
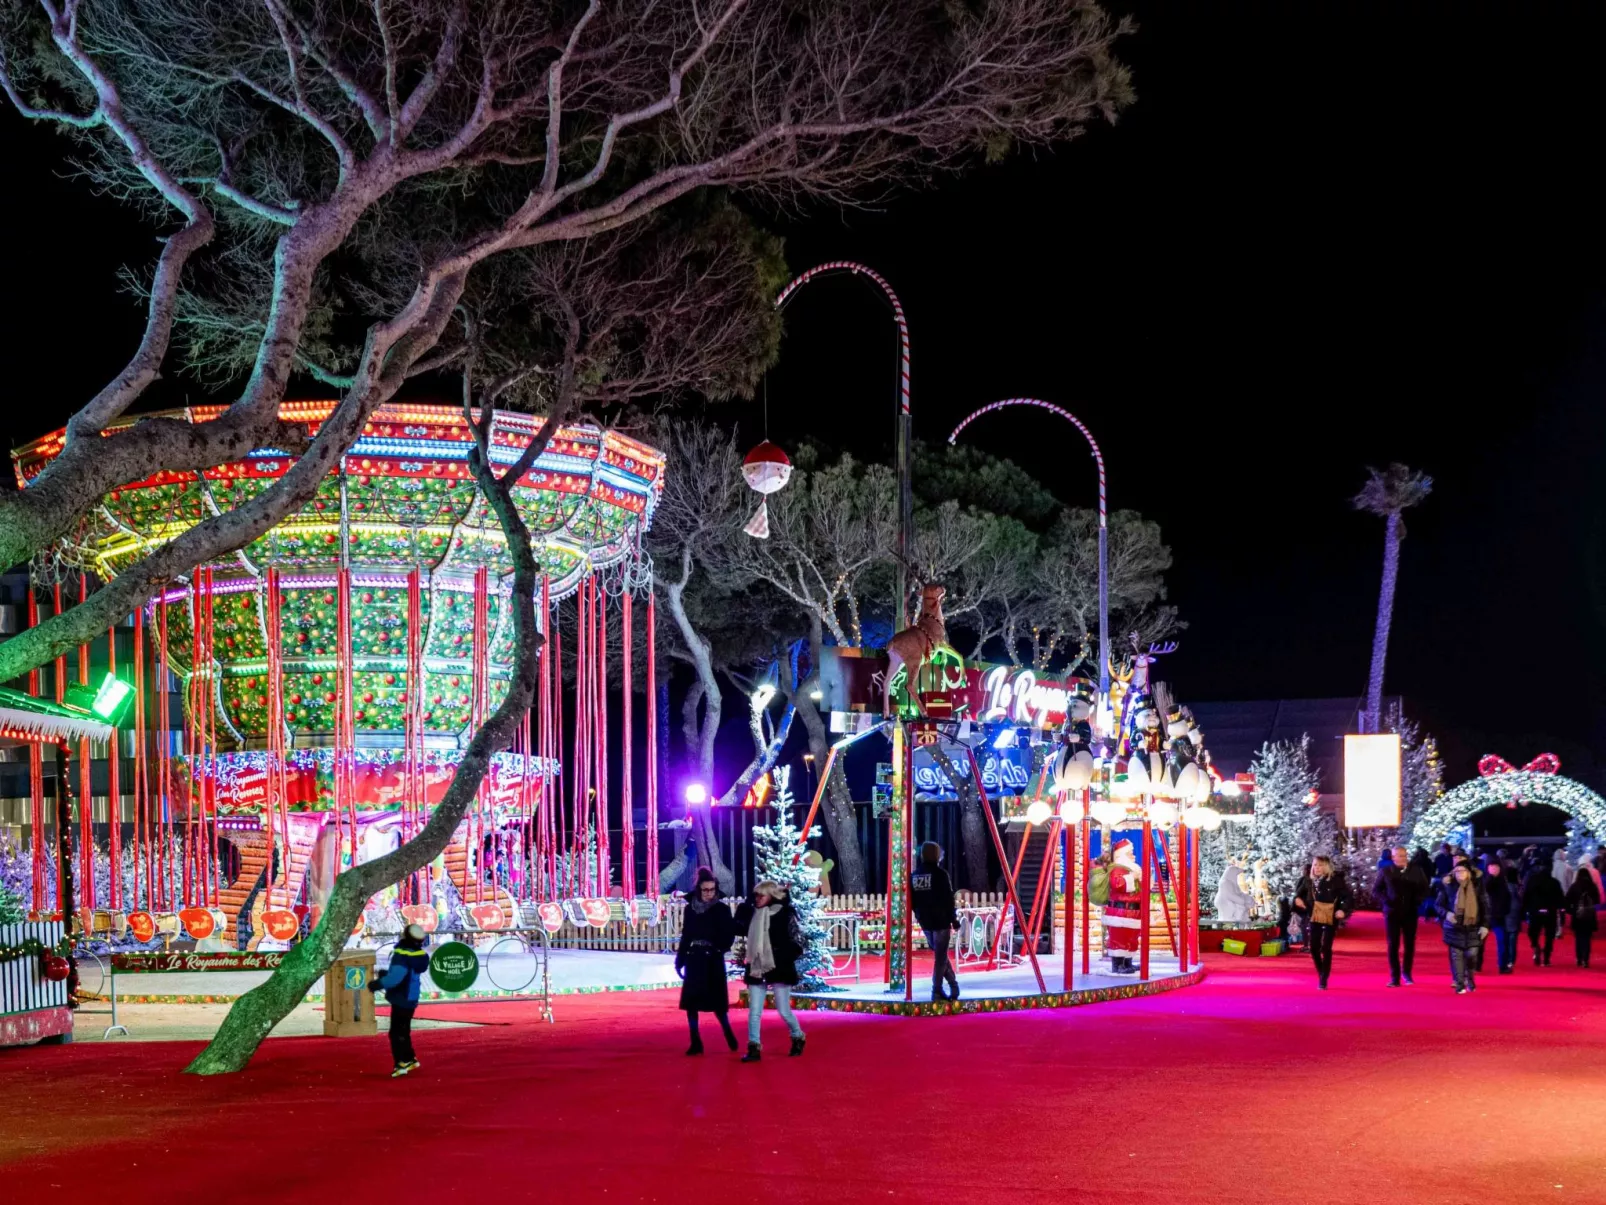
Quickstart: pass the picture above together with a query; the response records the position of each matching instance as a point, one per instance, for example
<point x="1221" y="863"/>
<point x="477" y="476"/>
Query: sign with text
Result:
<point x="176" y="962"/>
<point x="1003" y="772"/>
<point x="1372" y="781"/>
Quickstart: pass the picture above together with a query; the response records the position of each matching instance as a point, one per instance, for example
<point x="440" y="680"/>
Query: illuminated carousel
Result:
<point x="332" y="671"/>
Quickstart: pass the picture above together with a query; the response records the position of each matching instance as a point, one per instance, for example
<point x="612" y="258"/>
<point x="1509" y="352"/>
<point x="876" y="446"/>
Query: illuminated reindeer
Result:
<point x="914" y="646"/>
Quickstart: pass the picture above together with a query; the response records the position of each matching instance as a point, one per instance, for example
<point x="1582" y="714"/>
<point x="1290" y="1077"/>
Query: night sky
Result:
<point x="1326" y="236"/>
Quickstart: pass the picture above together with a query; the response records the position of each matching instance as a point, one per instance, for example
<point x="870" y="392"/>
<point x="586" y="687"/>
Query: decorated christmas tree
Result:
<point x="11" y="911"/>
<point x="1289" y="828"/>
<point x="1421" y="775"/>
<point x="776" y="850"/>
<point x="1582" y="846"/>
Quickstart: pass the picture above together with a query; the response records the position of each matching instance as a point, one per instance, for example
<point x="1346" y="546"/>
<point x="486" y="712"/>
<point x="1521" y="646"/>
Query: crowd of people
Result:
<point x="1471" y="898"/>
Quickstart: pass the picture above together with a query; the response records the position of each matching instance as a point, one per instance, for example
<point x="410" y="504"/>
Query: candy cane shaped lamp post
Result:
<point x="906" y="504"/>
<point x="1104" y="543"/>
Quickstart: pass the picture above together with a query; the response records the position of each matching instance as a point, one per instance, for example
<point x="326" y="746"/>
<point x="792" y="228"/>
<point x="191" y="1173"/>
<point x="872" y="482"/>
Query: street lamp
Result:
<point x="906" y="504"/>
<point x="1104" y="545"/>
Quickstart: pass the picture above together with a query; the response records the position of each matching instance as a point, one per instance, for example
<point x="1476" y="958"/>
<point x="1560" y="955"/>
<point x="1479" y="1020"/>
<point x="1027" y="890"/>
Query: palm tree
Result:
<point x="1387" y="495"/>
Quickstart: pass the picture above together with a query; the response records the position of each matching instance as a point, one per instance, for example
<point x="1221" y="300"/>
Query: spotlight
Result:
<point x="1005" y="739"/>
<point x="696" y="794"/>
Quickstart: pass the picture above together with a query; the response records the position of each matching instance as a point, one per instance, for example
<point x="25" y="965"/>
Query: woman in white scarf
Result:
<point x="773" y="945"/>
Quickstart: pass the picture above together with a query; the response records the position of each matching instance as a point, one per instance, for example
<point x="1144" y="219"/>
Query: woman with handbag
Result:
<point x="1582" y="899"/>
<point x="706" y="933"/>
<point x="1463" y="905"/>
<point x="1322" y="900"/>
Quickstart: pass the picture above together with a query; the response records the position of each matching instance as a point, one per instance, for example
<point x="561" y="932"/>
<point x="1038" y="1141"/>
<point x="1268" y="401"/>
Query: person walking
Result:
<point x="1463" y="908"/>
<point x="1322" y="899"/>
<point x="707" y="931"/>
<point x="1542" y="902"/>
<point x="931" y="895"/>
<point x="1561" y="869"/>
<point x="1399" y="889"/>
<point x="400" y="983"/>
<point x="1443" y="861"/>
<point x="774" y="944"/>
<point x="1505" y="913"/>
<point x="1581" y="900"/>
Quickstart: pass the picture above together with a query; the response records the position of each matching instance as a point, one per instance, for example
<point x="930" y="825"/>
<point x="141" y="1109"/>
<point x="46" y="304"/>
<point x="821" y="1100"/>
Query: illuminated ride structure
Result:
<point x="1109" y="769"/>
<point x="332" y="671"/>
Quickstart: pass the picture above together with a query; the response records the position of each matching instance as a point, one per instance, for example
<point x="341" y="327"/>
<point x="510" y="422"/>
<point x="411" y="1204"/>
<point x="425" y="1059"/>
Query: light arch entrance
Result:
<point x="1465" y="801"/>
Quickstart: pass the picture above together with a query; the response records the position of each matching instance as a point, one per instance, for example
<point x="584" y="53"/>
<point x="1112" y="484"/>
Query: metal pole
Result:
<point x="902" y="431"/>
<point x="1144" y="888"/>
<point x="1104" y="545"/>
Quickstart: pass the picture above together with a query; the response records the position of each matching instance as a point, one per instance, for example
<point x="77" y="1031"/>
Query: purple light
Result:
<point x="696" y="794"/>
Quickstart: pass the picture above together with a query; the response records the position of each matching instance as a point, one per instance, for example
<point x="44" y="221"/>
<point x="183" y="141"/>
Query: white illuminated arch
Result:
<point x="1466" y="800"/>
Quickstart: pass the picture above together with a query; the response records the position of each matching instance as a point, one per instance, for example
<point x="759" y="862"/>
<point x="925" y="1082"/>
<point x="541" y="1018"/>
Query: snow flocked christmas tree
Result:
<point x="1289" y="829"/>
<point x="776" y="856"/>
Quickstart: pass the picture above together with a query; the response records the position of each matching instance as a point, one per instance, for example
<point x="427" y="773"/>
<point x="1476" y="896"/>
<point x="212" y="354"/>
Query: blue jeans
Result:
<point x="783" y="1005"/>
<point x="1505" y="941"/>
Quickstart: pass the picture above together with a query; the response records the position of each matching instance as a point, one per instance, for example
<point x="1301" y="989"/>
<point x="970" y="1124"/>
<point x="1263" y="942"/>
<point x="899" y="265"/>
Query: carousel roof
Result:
<point x="402" y="497"/>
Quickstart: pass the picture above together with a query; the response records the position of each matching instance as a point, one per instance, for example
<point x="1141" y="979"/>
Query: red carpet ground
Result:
<point x="1253" y="1089"/>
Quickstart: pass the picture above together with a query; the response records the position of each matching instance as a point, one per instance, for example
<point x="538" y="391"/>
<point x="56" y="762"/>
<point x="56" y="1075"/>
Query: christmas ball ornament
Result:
<point x="766" y="469"/>
<point x="54" y="967"/>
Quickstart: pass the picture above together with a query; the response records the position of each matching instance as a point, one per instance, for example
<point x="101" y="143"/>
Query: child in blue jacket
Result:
<point x="400" y="982"/>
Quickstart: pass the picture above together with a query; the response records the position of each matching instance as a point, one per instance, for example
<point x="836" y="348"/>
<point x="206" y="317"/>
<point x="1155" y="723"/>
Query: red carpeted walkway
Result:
<point x="1252" y="1089"/>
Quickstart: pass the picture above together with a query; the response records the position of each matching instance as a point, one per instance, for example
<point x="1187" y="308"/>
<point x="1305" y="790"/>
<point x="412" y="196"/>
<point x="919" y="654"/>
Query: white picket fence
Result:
<point x="664" y="936"/>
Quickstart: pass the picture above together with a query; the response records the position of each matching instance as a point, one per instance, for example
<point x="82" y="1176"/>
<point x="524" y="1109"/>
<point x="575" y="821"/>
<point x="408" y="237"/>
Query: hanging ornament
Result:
<point x="766" y="469"/>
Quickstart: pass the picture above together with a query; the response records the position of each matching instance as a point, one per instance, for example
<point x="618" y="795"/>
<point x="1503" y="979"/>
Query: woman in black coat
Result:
<point x="1582" y="899"/>
<point x="706" y="933"/>
<point x="1322" y="893"/>
<point x="1463" y="906"/>
<point x="1542" y="902"/>
<point x="774" y="943"/>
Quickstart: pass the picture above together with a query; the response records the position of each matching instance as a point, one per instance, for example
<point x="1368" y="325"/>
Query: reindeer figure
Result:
<point x="1142" y="660"/>
<point x="913" y="646"/>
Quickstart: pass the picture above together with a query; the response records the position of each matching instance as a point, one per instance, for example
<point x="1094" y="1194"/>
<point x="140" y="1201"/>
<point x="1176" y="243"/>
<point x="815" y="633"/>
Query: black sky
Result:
<point x="1326" y="236"/>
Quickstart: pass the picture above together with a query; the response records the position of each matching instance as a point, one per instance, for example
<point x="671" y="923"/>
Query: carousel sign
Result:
<point x="1016" y="696"/>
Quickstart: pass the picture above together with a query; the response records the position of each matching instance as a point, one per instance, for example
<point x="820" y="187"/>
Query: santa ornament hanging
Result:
<point x="766" y="469"/>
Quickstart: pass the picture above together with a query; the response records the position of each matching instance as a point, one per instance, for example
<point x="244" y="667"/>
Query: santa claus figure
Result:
<point x="1121" y="912"/>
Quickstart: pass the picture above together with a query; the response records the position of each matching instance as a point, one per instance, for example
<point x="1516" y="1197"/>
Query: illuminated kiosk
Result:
<point x="324" y="718"/>
<point x="1145" y="780"/>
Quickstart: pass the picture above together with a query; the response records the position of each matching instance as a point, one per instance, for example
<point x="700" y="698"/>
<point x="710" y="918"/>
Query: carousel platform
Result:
<point x="1006" y="989"/>
<point x="502" y="976"/>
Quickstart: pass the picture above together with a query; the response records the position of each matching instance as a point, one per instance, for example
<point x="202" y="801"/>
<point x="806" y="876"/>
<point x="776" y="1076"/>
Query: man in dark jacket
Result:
<point x="1542" y="902"/>
<point x="1400" y="888"/>
<point x="931" y="895"/>
<point x="400" y="983"/>
<point x="1505" y="911"/>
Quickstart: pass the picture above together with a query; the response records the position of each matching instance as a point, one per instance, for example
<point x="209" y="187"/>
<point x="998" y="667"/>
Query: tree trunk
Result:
<point x="700" y="731"/>
<point x="972" y="824"/>
<point x="1385" y="616"/>
<point x="255" y="1014"/>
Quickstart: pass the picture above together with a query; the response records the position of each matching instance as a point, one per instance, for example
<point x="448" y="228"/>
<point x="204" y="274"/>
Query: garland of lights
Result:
<point x="32" y="947"/>
<point x="1466" y="800"/>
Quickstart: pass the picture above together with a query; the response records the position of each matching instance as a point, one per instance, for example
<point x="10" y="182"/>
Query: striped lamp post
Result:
<point x="906" y="503"/>
<point x="1104" y="544"/>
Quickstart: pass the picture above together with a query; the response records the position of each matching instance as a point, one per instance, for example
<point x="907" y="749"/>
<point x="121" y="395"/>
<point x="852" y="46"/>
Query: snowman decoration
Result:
<point x="766" y="469"/>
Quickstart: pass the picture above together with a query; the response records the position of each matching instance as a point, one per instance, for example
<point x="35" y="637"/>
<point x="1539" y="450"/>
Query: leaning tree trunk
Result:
<point x="700" y="731"/>
<point x="1385" y="616"/>
<point x="255" y="1014"/>
<point x="837" y="807"/>
<point x="972" y="824"/>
